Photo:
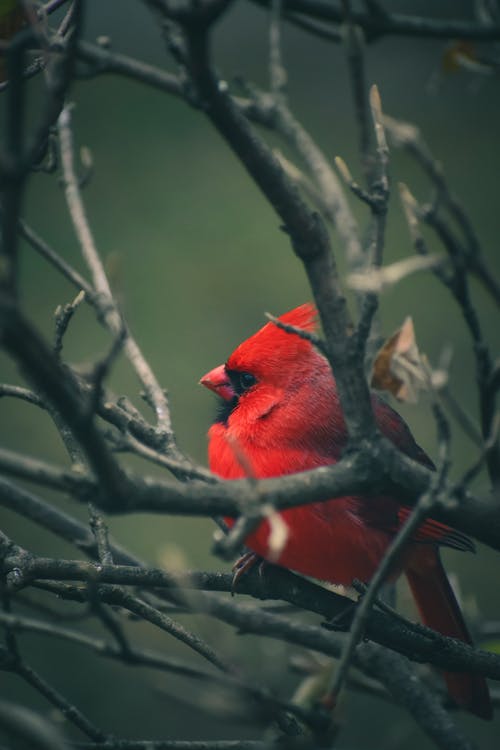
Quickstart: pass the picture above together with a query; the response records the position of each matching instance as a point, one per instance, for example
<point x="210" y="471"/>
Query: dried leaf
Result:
<point x="399" y="367"/>
<point x="462" y="55"/>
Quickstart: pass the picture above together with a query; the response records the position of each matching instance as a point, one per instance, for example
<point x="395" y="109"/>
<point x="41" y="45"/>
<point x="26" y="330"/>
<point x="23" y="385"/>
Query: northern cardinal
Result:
<point x="280" y="415"/>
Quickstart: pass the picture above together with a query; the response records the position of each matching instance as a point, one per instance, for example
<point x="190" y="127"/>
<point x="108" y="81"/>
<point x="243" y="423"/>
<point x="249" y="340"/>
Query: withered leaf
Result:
<point x="462" y="54"/>
<point x="399" y="367"/>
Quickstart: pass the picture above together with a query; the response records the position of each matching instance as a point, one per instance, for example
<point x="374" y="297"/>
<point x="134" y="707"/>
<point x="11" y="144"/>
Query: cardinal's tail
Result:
<point x="440" y="611"/>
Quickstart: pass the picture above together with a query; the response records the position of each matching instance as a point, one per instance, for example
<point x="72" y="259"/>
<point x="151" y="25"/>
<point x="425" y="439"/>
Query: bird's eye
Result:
<point x="247" y="380"/>
<point x="241" y="381"/>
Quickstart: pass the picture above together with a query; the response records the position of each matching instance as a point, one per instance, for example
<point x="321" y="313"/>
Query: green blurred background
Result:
<point x="195" y="256"/>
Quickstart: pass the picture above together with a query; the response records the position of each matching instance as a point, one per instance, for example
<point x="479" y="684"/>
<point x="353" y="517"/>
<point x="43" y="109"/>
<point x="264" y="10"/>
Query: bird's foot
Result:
<point x="243" y="565"/>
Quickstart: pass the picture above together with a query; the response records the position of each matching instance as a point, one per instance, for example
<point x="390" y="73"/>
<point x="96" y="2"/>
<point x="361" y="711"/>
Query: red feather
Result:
<point x="282" y="415"/>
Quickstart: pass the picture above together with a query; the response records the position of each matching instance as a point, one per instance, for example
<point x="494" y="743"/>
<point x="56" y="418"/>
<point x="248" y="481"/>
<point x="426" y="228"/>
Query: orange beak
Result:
<point x="217" y="381"/>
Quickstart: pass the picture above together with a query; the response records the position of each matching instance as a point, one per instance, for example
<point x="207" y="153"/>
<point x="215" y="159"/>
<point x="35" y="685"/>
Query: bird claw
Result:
<point x="243" y="565"/>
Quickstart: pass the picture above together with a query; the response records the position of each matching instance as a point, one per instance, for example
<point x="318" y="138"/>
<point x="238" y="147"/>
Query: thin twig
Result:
<point x="458" y="284"/>
<point x="408" y="137"/>
<point x="354" y="43"/>
<point x="113" y="318"/>
<point x="277" y="72"/>
<point x="356" y="473"/>
<point x="69" y="710"/>
<point x="101" y="534"/>
<point x="63" y="315"/>
<point x="377" y="25"/>
<point x="418" y="514"/>
<point x="416" y="641"/>
<point x="46" y="516"/>
<point x="315" y="340"/>
<point x="24" y="394"/>
<point x="379" y="192"/>
<point x="47" y="252"/>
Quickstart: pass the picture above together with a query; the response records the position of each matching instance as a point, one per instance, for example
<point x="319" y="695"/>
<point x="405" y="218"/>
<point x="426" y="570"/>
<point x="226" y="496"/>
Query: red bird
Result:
<point x="281" y="414"/>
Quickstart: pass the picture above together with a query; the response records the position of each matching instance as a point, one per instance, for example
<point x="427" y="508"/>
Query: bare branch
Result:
<point x="457" y="282"/>
<point x="420" y="512"/>
<point x="116" y="588"/>
<point x="408" y="137"/>
<point x="20" y="501"/>
<point x="112" y="315"/>
<point x="50" y="254"/>
<point x="22" y="341"/>
<point x="354" y="43"/>
<point x="63" y="315"/>
<point x="416" y="641"/>
<point x="377" y="25"/>
<point x="307" y="232"/>
<point x="24" y="394"/>
<point x="68" y="710"/>
<point x="368" y="470"/>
